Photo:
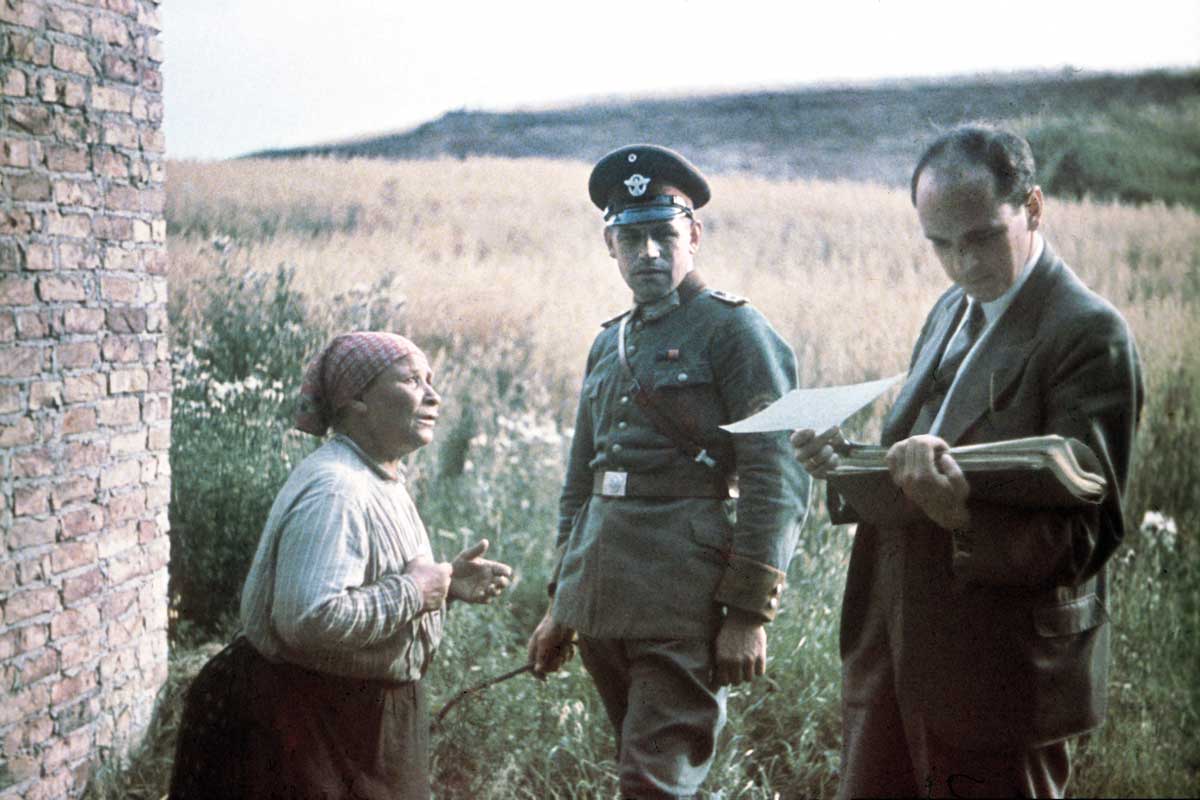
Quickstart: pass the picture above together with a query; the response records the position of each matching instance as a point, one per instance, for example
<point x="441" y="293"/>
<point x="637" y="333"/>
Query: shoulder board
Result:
<point x="608" y="323"/>
<point x="726" y="297"/>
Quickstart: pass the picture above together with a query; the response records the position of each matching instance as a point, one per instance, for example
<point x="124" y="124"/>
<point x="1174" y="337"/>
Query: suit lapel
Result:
<point x="908" y="403"/>
<point x="1001" y="355"/>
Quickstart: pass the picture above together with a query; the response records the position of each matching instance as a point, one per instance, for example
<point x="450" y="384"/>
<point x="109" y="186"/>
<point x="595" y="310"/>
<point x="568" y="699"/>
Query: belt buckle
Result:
<point x="614" y="483"/>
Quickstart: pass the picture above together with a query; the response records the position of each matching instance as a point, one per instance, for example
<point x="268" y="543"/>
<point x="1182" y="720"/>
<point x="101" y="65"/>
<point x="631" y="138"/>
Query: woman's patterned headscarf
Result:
<point x="342" y="371"/>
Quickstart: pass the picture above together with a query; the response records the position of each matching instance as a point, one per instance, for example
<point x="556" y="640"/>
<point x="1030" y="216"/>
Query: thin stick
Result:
<point x="479" y="688"/>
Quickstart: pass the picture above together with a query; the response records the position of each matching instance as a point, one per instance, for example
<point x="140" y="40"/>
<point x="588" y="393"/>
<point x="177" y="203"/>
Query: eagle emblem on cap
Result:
<point x="636" y="184"/>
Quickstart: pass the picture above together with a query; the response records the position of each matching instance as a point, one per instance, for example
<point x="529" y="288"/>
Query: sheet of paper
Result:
<point x="818" y="409"/>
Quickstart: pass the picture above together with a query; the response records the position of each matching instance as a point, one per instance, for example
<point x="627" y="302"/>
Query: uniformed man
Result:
<point x="667" y="581"/>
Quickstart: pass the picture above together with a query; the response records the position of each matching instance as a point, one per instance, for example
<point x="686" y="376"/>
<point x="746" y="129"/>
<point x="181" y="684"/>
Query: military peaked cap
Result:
<point x="627" y="185"/>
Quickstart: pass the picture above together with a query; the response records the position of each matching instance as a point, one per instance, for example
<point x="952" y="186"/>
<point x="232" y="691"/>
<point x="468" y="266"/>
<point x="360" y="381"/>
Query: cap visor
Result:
<point x="635" y="214"/>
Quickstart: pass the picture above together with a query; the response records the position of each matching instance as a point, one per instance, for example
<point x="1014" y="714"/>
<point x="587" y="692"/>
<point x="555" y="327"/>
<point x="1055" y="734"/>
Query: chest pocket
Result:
<point x="682" y="375"/>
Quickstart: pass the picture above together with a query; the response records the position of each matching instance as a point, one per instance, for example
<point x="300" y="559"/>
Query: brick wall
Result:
<point x="84" y="387"/>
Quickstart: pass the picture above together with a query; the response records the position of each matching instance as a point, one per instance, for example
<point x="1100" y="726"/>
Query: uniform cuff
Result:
<point x="751" y="586"/>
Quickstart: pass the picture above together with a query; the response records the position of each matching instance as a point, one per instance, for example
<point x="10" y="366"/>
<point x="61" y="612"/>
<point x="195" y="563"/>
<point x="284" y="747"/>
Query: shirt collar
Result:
<point x="993" y="309"/>
<point x="375" y="466"/>
<point x="660" y="307"/>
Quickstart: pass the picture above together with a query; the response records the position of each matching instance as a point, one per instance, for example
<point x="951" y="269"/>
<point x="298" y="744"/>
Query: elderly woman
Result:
<point x="343" y="606"/>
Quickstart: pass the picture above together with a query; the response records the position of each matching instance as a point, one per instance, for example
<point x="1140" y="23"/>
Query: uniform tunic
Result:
<point x="644" y="578"/>
<point x="654" y="567"/>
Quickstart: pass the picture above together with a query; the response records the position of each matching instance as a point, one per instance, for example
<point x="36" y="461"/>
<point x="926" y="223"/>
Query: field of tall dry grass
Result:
<point x="498" y="267"/>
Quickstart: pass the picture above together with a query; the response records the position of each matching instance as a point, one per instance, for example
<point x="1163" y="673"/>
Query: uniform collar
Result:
<point x="687" y="290"/>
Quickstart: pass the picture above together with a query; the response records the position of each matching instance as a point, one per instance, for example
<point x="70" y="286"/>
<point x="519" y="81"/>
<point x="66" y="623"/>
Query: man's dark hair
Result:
<point x="1007" y="156"/>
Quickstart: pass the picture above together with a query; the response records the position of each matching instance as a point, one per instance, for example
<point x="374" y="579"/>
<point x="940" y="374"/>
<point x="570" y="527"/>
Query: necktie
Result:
<point x="947" y="368"/>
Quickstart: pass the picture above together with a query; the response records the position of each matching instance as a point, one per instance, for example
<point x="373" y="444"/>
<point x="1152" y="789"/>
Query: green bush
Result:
<point x="1127" y="154"/>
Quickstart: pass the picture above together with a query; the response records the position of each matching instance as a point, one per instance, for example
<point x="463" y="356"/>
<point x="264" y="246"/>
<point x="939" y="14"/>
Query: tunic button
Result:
<point x="631" y="349"/>
<point x="624" y="399"/>
<point x="682" y="377"/>
<point x="638" y="325"/>
<point x="616" y="448"/>
<point x="622" y="425"/>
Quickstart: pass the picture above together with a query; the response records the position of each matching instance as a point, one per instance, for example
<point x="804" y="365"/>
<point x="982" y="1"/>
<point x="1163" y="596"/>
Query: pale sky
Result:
<point x="244" y="75"/>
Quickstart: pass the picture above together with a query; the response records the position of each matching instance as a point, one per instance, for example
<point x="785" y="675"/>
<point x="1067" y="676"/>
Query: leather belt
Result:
<point x="614" y="483"/>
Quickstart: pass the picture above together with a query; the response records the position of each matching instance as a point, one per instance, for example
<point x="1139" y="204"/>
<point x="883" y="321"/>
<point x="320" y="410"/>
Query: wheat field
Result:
<point x="498" y="266"/>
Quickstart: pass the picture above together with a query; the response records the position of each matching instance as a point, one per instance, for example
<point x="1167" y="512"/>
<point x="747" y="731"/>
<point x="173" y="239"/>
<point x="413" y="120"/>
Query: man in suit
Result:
<point x="669" y="590"/>
<point x="975" y="642"/>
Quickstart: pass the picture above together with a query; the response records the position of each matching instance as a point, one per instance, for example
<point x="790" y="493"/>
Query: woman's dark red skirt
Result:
<point x="255" y="729"/>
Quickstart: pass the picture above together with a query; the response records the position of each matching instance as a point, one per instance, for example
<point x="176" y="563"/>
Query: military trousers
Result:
<point x="665" y="707"/>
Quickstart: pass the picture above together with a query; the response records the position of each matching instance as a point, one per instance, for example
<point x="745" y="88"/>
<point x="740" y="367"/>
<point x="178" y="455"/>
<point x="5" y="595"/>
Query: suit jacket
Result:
<point x="1000" y="637"/>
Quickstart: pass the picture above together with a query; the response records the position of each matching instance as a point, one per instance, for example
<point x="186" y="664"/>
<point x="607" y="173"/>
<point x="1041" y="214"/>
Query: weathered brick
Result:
<point x="72" y="490"/>
<point x="108" y="226"/>
<point x="86" y="519"/>
<point x="122" y="198"/>
<point x="71" y="555"/>
<point x="121" y="349"/>
<point x="123" y="473"/>
<point x="34" y="120"/>
<point x="30" y="188"/>
<point x="72" y="654"/>
<point x="61" y="19"/>
<point x="62" y="289"/>
<point x="23" y="361"/>
<point x="78" y="419"/>
<point x="36" y="463"/>
<point x="120" y="69"/>
<point x="63" y="91"/>
<point x="127" y="320"/>
<point x="119" y="537"/>
<point x="72" y="686"/>
<point x="15" y="223"/>
<point x="33" y="324"/>
<point x="78" y="226"/>
<point x="119" y="411"/>
<point x="36" y="666"/>
<point x="149" y="16"/>
<point x="110" y="98"/>
<point x="15" y="83"/>
<point x="110" y="30"/>
<point x="30" y="603"/>
<point x="29" y="500"/>
<point x="25" y="639"/>
<point x="72" y="59"/>
<point x="8" y="326"/>
<point x="17" y="432"/>
<point x="125" y="507"/>
<point x="30" y="48"/>
<point x="72" y="126"/>
<point x="82" y="585"/>
<point x="84" y="388"/>
<point x="81" y="192"/>
<point x="14" y="152"/>
<point x="74" y="355"/>
<point x="80" y="455"/>
<point x="83" y="320"/>
<point x="45" y="394"/>
<point x="67" y="158"/>
<point x="152" y="80"/>
<point x="30" y="532"/>
<point x="12" y="257"/>
<point x="119" y="289"/>
<point x="74" y="255"/>
<point x="128" y="443"/>
<point x="126" y="381"/>
<point x="17" y="290"/>
<point x="159" y="439"/>
<point x="74" y="621"/>
<point x="153" y="141"/>
<point x="10" y="399"/>
<point x="119" y="602"/>
<point x="28" y="734"/>
<point x="39" y="257"/>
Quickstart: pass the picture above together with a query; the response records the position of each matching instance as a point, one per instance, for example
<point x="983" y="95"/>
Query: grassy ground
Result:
<point x="497" y="268"/>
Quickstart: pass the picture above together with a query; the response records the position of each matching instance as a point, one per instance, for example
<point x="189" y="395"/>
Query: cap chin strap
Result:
<point x="655" y="202"/>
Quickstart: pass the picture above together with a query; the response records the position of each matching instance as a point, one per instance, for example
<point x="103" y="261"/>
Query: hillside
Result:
<point x="861" y="134"/>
